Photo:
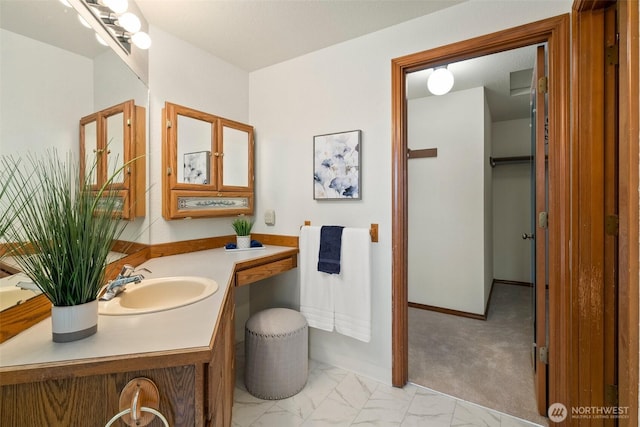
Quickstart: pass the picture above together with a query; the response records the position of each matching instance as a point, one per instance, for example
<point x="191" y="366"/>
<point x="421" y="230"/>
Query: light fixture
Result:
<point x="123" y="26"/>
<point x="130" y="22"/>
<point x="440" y="81"/>
<point x="141" y="39"/>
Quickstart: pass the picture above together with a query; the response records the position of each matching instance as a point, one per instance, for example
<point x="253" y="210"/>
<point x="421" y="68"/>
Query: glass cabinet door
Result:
<point x="89" y="149"/>
<point x="115" y="149"/>
<point x="236" y="156"/>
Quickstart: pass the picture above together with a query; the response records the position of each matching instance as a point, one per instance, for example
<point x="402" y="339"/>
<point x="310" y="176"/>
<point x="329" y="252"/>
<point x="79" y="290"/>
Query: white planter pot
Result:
<point x="74" y="322"/>
<point x="243" y="242"/>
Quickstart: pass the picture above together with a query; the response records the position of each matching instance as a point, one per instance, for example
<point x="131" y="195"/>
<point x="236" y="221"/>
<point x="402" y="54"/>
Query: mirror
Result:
<point x="235" y="146"/>
<point x="54" y="73"/>
<point x="115" y="149"/>
<point x="196" y="139"/>
<point x="209" y="165"/>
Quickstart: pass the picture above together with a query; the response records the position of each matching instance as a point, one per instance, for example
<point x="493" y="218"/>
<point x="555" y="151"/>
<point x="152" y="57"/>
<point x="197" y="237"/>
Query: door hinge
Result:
<point x="543" y="353"/>
<point x="543" y="84"/>
<point x="128" y="122"/>
<point x="612" y="54"/>
<point x="543" y="219"/>
<point x="611" y="225"/>
<point x="168" y="123"/>
<point x="611" y="394"/>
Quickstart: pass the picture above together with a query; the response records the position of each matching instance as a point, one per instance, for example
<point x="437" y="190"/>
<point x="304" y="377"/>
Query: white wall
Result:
<point x="512" y="202"/>
<point x="345" y="87"/>
<point x="116" y="83"/>
<point x="44" y="90"/>
<point x="183" y="74"/>
<point x="488" y="204"/>
<point x="447" y="201"/>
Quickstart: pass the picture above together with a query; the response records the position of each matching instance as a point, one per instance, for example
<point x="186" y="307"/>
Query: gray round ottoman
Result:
<point x="276" y="353"/>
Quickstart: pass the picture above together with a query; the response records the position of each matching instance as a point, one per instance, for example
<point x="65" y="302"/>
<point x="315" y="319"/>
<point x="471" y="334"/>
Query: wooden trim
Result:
<point x="275" y="239"/>
<point x="512" y="282"/>
<point x="554" y="31"/>
<point x="16" y="319"/>
<point x="422" y="153"/>
<point x="449" y="311"/>
<point x="104" y="365"/>
<point x="186" y="246"/>
<point x="470" y="315"/>
<point x="629" y="118"/>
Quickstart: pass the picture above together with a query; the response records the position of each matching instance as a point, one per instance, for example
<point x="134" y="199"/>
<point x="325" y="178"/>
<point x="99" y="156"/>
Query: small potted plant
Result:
<point x="61" y="237"/>
<point x="242" y="226"/>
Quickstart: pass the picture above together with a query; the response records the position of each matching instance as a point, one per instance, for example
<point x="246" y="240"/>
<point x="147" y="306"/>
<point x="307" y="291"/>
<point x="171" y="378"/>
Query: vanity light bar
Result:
<point x="115" y="23"/>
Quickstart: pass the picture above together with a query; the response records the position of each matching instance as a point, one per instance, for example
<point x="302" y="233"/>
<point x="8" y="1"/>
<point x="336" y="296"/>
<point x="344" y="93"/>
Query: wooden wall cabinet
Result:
<point x="110" y="139"/>
<point x="208" y="165"/>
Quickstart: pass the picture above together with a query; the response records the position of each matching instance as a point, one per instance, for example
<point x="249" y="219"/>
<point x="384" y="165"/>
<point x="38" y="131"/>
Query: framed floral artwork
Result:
<point x="336" y="163"/>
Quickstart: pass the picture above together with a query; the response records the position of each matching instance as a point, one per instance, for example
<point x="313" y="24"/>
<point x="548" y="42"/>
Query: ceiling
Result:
<point x="252" y="34"/>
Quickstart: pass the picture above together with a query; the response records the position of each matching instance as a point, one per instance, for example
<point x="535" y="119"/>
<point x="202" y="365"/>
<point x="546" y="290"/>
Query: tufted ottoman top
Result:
<point x="276" y="321"/>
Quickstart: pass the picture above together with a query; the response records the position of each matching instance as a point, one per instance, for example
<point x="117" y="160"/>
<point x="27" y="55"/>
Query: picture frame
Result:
<point x="336" y="166"/>
<point x="197" y="167"/>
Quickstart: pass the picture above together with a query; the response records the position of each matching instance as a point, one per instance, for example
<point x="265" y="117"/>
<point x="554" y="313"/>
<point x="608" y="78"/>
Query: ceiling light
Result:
<point x="118" y="6"/>
<point x="130" y="22"/>
<point x="440" y="81"/>
<point x="124" y="27"/>
<point x="141" y="39"/>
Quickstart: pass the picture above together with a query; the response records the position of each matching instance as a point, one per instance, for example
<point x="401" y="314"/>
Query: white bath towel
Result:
<point x="316" y="290"/>
<point x="344" y="299"/>
<point x="352" y="288"/>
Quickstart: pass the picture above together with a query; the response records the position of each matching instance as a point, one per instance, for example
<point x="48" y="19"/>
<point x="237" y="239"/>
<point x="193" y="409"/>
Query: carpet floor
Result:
<point x="485" y="362"/>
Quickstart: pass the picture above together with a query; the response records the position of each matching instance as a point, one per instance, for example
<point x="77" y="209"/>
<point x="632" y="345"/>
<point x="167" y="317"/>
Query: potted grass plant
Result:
<point x="242" y="226"/>
<point x="61" y="238"/>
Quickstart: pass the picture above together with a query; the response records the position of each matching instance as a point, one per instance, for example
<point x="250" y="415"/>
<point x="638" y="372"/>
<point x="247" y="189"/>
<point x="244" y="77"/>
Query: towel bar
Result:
<point x="373" y="231"/>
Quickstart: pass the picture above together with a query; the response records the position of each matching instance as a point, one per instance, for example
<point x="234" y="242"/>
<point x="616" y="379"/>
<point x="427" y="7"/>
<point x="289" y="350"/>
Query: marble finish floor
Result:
<point x="335" y="397"/>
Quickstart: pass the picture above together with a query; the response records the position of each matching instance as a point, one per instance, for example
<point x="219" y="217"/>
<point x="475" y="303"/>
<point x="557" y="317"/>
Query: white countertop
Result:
<point x="185" y="327"/>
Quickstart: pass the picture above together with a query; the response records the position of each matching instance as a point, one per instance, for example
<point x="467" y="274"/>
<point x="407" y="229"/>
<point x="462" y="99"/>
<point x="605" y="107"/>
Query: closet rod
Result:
<point x="494" y="161"/>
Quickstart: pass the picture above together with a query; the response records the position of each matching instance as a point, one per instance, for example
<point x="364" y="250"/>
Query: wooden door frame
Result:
<point x="588" y="122"/>
<point x="628" y="240"/>
<point x="555" y="32"/>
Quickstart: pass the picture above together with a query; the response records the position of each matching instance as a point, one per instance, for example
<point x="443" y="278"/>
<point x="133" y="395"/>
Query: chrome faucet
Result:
<point x="118" y="285"/>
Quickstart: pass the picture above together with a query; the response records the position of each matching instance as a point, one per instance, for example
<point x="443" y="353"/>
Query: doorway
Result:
<point x="470" y="198"/>
<point x="554" y="32"/>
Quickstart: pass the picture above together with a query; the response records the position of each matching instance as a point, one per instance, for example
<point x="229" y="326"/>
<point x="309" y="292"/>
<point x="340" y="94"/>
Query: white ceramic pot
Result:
<point x="74" y="322"/>
<point x="243" y="242"/>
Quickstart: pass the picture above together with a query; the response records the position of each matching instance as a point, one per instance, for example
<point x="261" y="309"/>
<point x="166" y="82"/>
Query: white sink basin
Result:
<point x="164" y="293"/>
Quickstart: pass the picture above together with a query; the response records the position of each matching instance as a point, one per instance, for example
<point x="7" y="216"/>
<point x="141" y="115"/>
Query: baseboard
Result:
<point x="449" y="311"/>
<point x="512" y="282"/>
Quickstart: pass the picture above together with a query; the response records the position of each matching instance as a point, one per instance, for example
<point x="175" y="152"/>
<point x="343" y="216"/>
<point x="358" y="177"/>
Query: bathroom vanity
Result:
<point x="188" y="352"/>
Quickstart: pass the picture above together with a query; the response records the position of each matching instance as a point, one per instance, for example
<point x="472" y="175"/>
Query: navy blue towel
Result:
<point x="330" y="246"/>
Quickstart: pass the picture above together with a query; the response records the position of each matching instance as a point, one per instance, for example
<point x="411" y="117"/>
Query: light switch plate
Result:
<point x="270" y="217"/>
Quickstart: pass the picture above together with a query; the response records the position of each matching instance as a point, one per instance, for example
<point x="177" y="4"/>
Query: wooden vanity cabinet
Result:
<point x="195" y="387"/>
<point x="220" y="379"/>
